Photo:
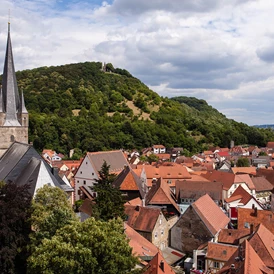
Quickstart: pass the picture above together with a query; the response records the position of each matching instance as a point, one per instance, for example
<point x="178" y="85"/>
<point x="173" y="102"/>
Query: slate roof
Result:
<point x="142" y="218"/>
<point x="211" y="215"/>
<point x="232" y="236"/>
<point x="220" y="252"/>
<point x="160" y="194"/>
<point x="22" y="164"/>
<point x="262" y="184"/>
<point x="196" y="189"/>
<point x="128" y="180"/>
<point x="11" y="100"/>
<point x="115" y="158"/>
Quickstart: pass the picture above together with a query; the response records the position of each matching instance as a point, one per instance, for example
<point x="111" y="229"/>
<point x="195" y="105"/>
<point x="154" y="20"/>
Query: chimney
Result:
<point x="143" y="202"/>
<point x="162" y="266"/>
<point x="232" y="269"/>
<point x="251" y="228"/>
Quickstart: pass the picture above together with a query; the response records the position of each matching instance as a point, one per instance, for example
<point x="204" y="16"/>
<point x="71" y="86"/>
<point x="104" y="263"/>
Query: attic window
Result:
<point x="224" y="252"/>
<point x="155" y="235"/>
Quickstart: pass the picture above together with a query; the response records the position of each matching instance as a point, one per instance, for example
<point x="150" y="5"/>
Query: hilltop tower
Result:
<point x="14" y="117"/>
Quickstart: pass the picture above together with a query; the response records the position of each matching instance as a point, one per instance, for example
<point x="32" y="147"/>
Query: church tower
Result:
<point x="14" y="117"/>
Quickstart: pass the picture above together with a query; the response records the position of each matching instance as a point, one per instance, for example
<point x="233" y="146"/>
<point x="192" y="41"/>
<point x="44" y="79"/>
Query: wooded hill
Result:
<point x="80" y="106"/>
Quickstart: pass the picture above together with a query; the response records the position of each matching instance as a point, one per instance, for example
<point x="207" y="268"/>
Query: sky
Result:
<point x="217" y="50"/>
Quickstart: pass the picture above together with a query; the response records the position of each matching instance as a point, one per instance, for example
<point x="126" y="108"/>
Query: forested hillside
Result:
<point x="80" y="106"/>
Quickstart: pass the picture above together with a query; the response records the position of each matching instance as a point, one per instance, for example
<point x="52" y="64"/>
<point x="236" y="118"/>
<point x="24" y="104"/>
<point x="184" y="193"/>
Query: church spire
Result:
<point x="23" y="107"/>
<point x="10" y="95"/>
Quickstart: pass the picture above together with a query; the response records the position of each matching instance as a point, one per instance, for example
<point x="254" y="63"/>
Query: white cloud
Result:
<point x="217" y="50"/>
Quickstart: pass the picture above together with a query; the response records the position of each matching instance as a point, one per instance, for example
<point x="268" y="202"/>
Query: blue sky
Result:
<point x="218" y="50"/>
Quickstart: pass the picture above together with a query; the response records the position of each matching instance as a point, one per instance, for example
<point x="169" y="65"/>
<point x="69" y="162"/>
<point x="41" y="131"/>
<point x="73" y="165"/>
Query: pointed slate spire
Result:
<point x="9" y="88"/>
<point x="22" y="105"/>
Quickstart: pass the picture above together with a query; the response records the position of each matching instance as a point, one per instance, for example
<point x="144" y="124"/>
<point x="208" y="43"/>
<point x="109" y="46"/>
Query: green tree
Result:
<point x="242" y="162"/>
<point x="50" y="212"/>
<point x="15" y="204"/>
<point x="109" y="202"/>
<point x="88" y="247"/>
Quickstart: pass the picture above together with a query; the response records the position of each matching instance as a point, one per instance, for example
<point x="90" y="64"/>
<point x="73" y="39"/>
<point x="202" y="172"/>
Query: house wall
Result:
<point x="86" y="175"/>
<point x="214" y="267"/>
<point x="189" y="232"/>
<point x="160" y="233"/>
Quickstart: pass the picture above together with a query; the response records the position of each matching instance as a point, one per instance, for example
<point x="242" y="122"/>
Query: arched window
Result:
<point x="12" y="138"/>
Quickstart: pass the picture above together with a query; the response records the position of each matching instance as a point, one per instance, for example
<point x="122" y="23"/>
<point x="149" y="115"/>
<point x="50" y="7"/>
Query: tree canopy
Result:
<point x="15" y="204"/>
<point x="50" y="212"/>
<point x="89" y="247"/>
<point x="109" y="202"/>
<point x="242" y="162"/>
<point x="80" y="106"/>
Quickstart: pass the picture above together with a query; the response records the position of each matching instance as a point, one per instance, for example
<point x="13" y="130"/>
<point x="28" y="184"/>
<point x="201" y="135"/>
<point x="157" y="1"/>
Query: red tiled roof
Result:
<point x="270" y="145"/>
<point x="263" y="243"/>
<point x="223" y="153"/>
<point x="158" y="265"/>
<point x="211" y="215"/>
<point x="232" y="236"/>
<point x="160" y="194"/>
<point x="245" y="178"/>
<point x="262" y="184"/>
<point x="142" y="218"/>
<point x="140" y="245"/>
<point x="247" y="170"/>
<point x="158" y="146"/>
<point x="267" y="173"/>
<point x="227" y="179"/>
<point x="249" y="216"/>
<point x="240" y="194"/>
<point x="220" y="252"/>
<point x="252" y="263"/>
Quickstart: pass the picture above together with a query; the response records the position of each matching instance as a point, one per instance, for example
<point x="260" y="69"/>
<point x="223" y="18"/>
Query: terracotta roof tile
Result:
<point x="267" y="173"/>
<point x="140" y="245"/>
<point x="142" y="218"/>
<point x="249" y="216"/>
<point x="262" y="242"/>
<point x="220" y="252"/>
<point x="247" y="170"/>
<point x="212" y="216"/>
<point x="158" y="265"/>
<point x="239" y="178"/>
<point x="240" y="194"/>
<point x="160" y="194"/>
<point x="262" y="184"/>
<point x="196" y="189"/>
<point x="227" y="179"/>
<point x="232" y="236"/>
<point x="252" y="263"/>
